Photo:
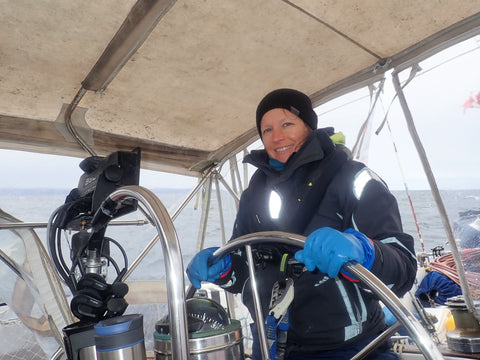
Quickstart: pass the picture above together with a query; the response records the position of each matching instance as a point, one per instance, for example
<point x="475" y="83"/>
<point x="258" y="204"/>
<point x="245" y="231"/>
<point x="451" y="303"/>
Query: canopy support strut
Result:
<point x="436" y="195"/>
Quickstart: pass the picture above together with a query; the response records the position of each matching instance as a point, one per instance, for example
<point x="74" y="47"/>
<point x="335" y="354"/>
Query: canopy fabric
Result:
<point x="181" y="79"/>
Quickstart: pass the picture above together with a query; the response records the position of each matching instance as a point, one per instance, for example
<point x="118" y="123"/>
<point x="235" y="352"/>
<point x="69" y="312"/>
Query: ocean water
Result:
<point x="38" y="205"/>
<point x="431" y="229"/>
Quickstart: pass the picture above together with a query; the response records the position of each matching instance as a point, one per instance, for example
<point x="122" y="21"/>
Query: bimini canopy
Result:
<point x="181" y="79"/>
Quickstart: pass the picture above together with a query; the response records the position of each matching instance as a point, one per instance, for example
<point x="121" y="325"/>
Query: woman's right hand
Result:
<point x="200" y="269"/>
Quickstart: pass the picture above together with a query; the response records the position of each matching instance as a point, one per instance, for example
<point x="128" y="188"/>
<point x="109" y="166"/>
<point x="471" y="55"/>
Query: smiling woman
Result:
<point x="283" y="133"/>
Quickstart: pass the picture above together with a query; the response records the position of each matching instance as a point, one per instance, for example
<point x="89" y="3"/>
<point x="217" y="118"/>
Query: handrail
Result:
<point x="17" y="225"/>
<point x="173" y="263"/>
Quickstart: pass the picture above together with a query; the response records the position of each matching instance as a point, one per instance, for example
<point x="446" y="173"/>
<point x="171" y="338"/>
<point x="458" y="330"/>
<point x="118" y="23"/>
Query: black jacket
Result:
<point x="319" y="187"/>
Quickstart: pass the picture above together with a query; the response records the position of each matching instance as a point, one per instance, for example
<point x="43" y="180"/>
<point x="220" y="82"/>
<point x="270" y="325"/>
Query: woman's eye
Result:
<point x="266" y="130"/>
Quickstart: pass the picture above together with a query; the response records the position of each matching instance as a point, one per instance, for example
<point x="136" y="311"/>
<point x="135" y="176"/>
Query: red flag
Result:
<point x="472" y="102"/>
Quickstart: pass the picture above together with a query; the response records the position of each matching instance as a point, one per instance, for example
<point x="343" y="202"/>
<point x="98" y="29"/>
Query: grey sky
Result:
<point x="31" y="170"/>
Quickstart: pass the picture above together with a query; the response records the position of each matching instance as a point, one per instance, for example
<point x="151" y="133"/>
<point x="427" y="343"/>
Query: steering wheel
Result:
<point x="407" y="319"/>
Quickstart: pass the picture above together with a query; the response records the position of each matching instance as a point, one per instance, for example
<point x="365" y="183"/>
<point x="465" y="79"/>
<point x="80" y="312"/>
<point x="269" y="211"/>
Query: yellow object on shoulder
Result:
<point x="338" y="138"/>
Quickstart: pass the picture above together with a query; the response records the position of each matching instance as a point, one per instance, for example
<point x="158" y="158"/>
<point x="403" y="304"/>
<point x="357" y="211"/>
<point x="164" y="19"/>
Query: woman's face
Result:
<point x="283" y="133"/>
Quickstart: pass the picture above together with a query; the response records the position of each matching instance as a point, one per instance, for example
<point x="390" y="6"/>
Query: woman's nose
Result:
<point x="277" y="134"/>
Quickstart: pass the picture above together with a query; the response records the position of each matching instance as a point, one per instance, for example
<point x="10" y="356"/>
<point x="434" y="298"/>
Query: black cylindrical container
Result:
<point x="79" y="341"/>
<point x="120" y="338"/>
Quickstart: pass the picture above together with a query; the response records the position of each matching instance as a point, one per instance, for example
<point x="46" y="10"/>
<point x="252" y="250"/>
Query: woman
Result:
<point x="347" y="213"/>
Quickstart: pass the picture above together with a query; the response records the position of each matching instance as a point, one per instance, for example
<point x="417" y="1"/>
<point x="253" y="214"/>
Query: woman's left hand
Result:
<point x="328" y="250"/>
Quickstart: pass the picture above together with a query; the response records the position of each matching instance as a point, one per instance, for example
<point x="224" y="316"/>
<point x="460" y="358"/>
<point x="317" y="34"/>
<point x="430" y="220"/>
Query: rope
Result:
<point x="446" y="265"/>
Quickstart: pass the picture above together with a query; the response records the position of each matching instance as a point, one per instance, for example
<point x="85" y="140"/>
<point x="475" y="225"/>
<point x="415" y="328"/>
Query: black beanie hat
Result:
<point x="292" y="100"/>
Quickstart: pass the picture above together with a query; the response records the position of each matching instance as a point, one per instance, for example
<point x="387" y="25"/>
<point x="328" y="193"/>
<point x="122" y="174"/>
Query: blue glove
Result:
<point x="199" y="269"/>
<point x="329" y="249"/>
<point x="390" y="319"/>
